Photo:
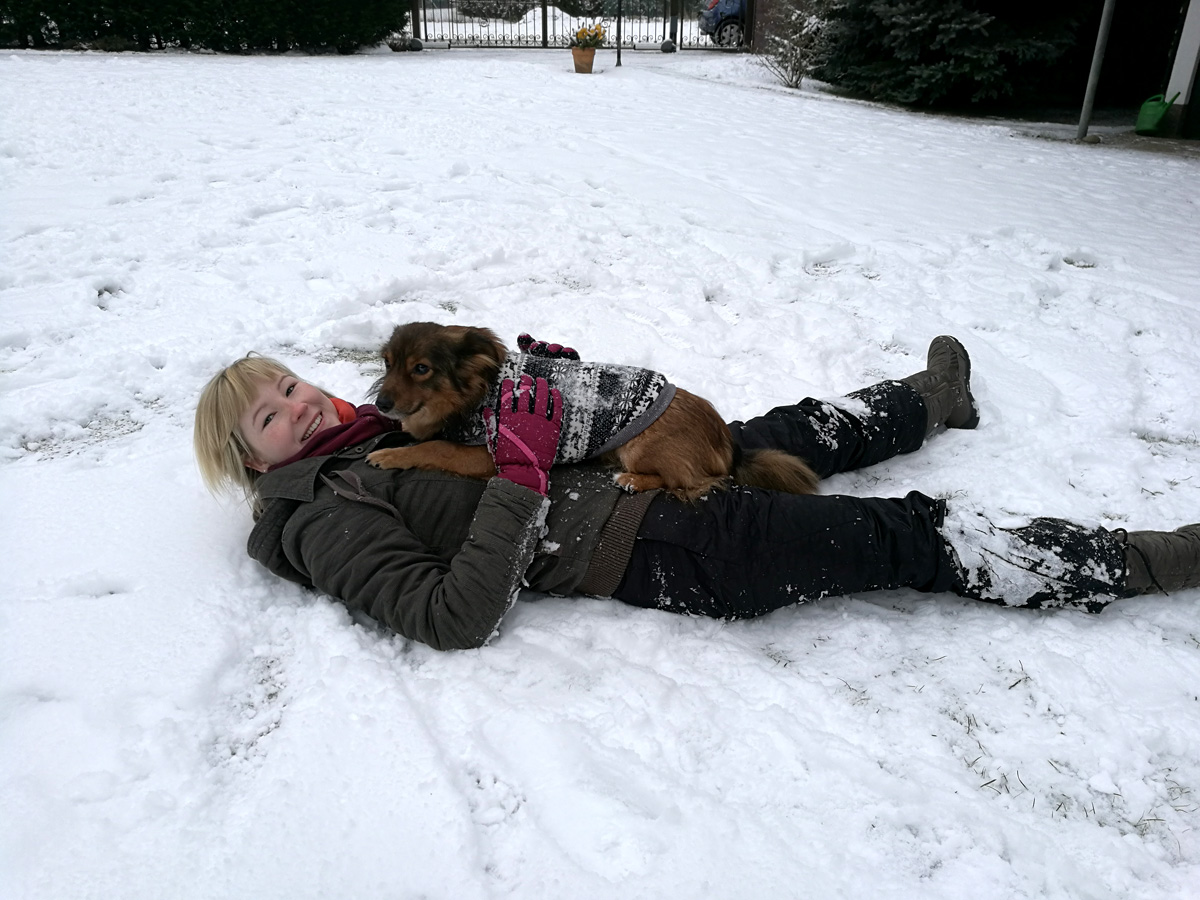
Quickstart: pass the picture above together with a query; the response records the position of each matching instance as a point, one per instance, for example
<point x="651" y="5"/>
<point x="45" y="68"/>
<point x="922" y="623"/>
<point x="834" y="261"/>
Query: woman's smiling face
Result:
<point x="282" y="417"/>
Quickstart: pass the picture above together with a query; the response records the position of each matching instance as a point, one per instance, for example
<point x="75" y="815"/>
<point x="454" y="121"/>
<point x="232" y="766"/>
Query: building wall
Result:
<point x="1183" y="119"/>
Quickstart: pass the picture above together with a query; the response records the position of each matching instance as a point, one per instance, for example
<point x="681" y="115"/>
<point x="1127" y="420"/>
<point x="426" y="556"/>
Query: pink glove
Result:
<point x="522" y="435"/>
<point x="540" y="348"/>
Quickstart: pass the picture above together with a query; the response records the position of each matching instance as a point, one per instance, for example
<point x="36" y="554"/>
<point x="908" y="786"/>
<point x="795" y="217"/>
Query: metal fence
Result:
<point x="535" y="23"/>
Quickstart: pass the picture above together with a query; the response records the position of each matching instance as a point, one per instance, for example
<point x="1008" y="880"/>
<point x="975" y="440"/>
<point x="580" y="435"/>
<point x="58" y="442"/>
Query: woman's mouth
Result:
<point x="312" y="428"/>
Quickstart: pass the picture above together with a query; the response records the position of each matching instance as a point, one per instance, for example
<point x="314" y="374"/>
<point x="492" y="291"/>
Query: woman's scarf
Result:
<point x="357" y="425"/>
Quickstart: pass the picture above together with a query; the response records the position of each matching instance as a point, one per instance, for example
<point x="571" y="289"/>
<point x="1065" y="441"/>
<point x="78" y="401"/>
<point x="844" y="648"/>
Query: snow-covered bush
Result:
<point x="506" y="10"/>
<point x="790" y="34"/>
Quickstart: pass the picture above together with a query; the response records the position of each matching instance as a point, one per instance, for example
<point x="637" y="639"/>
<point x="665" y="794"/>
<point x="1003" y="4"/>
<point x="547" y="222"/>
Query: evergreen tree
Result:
<point x="944" y="52"/>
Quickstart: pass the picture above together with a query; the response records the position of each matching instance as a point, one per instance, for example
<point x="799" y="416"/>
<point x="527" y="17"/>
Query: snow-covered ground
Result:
<point x="178" y="724"/>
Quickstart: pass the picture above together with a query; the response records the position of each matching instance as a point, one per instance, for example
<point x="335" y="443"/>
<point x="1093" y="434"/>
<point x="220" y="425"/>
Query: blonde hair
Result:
<point x="221" y="449"/>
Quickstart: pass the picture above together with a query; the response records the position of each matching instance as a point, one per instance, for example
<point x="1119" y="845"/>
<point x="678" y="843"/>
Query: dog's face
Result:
<point x="436" y="373"/>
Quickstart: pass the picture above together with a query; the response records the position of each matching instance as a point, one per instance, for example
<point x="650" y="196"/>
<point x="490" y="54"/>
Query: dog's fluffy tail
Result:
<point x="775" y="471"/>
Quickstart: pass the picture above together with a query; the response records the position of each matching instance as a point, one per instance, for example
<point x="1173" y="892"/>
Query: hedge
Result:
<point x="228" y="26"/>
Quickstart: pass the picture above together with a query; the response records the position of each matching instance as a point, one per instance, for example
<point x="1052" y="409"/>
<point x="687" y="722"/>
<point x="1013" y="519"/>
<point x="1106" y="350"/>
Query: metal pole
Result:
<point x="1089" y="97"/>
<point x="619" y="14"/>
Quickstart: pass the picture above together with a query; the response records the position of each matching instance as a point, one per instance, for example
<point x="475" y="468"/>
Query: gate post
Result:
<point x="415" y="15"/>
<point x="545" y="29"/>
<point x="620" y="16"/>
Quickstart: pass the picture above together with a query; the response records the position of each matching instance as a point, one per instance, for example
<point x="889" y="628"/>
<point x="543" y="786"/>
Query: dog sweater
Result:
<point x="603" y="405"/>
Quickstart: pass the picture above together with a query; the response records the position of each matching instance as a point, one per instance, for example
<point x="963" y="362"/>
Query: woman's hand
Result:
<point x="523" y="432"/>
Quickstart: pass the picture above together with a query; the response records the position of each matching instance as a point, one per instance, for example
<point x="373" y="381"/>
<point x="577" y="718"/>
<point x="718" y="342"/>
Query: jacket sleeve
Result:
<point x="369" y="559"/>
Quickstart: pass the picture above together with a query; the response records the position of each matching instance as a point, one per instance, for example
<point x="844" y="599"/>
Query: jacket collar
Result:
<point x="298" y="480"/>
<point x="283" y="490"/>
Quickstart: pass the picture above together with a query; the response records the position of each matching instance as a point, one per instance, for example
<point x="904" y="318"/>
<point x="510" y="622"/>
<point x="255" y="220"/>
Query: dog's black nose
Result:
<point x="384" y="403"/>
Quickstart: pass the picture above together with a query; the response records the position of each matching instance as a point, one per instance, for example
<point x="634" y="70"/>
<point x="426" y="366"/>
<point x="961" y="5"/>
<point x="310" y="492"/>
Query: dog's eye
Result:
<point x="420" y="369"/>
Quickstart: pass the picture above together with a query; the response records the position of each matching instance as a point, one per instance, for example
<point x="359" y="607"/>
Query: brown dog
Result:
<point x="438" y="377"/>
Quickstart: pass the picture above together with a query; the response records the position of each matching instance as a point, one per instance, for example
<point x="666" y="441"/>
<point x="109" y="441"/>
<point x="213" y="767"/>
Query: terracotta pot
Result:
<point x="584" y="57"/>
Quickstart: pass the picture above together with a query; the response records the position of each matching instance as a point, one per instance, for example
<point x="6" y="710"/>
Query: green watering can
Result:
<point x="1151" y="114"/>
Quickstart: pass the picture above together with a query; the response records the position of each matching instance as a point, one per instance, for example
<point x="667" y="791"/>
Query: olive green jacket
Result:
<point x="437" y="558"/>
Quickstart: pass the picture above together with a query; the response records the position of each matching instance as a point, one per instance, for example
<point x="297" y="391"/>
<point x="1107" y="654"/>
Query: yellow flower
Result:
<point x="590" y="35"/>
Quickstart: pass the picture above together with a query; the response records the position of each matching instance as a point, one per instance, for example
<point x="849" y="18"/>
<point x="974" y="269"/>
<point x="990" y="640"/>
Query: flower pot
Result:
<point x="584" y="57"/>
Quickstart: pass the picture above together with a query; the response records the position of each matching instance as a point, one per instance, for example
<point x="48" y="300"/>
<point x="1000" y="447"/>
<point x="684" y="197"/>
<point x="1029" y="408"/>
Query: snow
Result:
<point x="177" y="723"/>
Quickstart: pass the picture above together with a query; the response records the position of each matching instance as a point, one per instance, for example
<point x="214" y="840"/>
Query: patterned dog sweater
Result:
<point x="603" y="405"/>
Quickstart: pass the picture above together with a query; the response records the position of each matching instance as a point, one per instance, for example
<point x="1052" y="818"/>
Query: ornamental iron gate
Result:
<point x="535" y="23"/>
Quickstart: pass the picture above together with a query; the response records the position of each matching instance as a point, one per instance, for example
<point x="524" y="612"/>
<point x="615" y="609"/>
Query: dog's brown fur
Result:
<point x="438" y="375"/>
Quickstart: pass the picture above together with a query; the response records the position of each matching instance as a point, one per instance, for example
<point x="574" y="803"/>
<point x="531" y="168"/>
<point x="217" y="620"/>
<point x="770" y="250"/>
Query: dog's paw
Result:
<point x="392" y="458"/>
<point x="635" y="483"/>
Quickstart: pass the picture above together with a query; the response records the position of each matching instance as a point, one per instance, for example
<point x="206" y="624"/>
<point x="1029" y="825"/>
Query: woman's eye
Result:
<point x="420" y="369"/>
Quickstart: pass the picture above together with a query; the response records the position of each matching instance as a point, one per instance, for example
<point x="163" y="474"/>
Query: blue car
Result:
<point x="724" y="21"/>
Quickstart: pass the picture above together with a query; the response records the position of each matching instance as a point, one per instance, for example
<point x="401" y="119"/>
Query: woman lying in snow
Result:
<point x="440" y="558"/>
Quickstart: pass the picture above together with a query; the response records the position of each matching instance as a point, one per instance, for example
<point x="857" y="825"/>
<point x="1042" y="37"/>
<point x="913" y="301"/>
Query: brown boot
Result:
<point x="1161" y="561"/>
<point x="945" y="386"/>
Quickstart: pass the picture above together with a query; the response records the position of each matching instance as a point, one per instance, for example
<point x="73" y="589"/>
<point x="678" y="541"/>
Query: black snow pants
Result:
<point x="745" y="552"/>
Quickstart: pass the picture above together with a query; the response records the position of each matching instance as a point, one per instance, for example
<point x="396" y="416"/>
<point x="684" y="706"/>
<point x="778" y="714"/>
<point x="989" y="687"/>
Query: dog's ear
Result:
<point x="482" y="344"/>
